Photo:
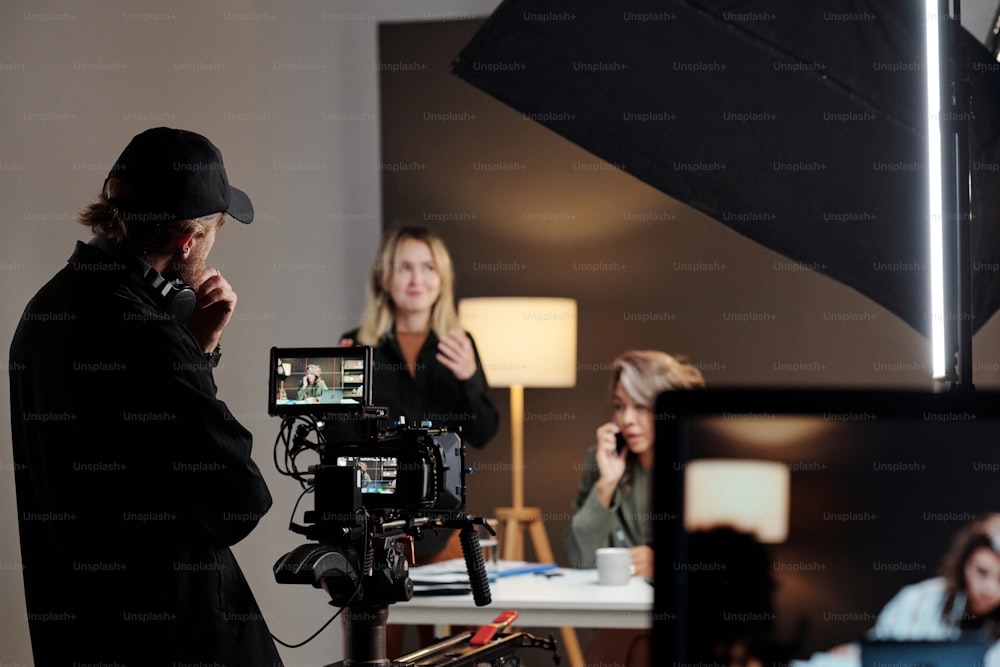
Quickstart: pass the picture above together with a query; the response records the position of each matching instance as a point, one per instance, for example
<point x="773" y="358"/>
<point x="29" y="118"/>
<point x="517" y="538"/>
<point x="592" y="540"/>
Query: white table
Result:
<point x="571" y="599"/>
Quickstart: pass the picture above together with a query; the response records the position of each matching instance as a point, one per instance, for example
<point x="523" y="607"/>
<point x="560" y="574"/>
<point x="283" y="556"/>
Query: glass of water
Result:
<point x="490" y="548"/>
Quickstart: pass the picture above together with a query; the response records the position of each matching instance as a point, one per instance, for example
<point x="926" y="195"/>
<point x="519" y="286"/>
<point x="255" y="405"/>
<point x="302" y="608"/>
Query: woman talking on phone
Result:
<point x="614" y="499"/>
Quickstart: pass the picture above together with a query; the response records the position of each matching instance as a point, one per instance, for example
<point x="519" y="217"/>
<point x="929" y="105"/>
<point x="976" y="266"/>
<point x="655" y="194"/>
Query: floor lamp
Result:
<point x="524" y="342"/>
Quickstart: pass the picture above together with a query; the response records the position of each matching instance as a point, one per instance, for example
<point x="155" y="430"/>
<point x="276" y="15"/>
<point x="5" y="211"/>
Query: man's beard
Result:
<point x="190" y="269"/>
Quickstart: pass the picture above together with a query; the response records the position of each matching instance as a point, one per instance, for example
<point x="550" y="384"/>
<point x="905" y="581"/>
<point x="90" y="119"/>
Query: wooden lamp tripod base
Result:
<point x="516" y="520"/>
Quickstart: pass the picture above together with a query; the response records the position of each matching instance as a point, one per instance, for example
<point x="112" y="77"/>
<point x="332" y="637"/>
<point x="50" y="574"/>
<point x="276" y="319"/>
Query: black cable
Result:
<point x="357" y="589"/>
<point x="312" y="636"/>
<point x="278" y="440"/>
<point x="292" y="526"/>
<point x="283" y="440"/>
<point x="286" y="441"/>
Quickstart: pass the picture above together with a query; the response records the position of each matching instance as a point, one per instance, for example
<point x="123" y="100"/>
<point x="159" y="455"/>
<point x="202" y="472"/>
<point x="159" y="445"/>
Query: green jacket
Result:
<point x="593" y="525"/>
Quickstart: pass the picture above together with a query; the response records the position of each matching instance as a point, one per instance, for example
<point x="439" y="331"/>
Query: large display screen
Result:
<point x="879" y="483"/>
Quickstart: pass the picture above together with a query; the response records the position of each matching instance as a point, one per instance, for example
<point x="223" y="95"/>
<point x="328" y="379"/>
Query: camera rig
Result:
<point x="376" y="488"/>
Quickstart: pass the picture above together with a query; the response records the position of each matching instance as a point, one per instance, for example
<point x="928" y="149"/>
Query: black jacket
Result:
<point x="435" y="394"/>
<point x="133" y="480"/>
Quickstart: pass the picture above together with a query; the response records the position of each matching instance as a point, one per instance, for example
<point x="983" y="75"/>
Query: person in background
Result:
<point x="730" y="608"/>
<point x="366" y="479"/>
<point x="963" y="598"/>
<point x="312" y="386"/>
<point x="426" y="368"/>
<point x="614" y="499"/>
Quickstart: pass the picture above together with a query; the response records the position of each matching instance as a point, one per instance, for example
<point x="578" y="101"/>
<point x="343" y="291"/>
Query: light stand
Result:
<point x="948" y="109"/>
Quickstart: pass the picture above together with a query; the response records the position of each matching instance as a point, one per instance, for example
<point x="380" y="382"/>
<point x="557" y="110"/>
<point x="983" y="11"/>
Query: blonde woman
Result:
<point x="426" y="367"/>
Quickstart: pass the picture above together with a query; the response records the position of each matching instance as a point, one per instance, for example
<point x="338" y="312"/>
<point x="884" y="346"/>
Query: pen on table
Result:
<point x="620" y="536"/>
<point x="529" y="568"/>
<point x="548" y="575"/>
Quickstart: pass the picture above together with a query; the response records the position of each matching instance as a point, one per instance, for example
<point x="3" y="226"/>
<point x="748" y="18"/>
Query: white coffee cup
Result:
<point x="614" y="566"/>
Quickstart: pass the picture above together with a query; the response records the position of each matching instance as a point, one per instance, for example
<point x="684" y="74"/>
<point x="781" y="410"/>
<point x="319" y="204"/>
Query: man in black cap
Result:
<point x="133" y="479"/>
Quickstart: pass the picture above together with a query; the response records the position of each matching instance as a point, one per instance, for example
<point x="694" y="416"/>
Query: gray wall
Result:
<point x="291" y="96"/>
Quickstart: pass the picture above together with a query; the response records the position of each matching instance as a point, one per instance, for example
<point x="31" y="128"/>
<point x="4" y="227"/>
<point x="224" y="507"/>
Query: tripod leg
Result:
<point x="364" y="636"/>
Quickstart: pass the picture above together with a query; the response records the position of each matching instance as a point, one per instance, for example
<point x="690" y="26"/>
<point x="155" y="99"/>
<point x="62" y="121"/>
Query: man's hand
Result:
<point x="215" y="302"/>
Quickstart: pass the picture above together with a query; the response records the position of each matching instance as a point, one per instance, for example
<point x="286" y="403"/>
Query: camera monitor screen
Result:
<point x="378" y="473"/>
<point x="319" y="380"/>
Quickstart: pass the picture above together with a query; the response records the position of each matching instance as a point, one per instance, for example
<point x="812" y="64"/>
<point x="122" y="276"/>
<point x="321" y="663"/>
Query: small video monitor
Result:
<point x="378" y="473"/>
<point x="319" y="380"/>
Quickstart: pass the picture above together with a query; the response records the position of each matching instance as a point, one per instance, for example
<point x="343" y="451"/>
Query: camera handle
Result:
<point x="473" y="554"/>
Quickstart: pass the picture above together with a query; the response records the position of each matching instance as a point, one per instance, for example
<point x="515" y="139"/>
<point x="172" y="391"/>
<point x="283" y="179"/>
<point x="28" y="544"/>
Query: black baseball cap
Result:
<point x="176" y="175"/>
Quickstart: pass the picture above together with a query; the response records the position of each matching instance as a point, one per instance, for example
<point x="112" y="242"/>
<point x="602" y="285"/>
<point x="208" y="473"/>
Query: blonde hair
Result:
<point x="644" y="374"/>
<point x="379" y="315"/>
<point x="141" y="237"/>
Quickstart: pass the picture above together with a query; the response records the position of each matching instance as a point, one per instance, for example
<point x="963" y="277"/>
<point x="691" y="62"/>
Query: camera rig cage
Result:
<point x="376" y="489"/>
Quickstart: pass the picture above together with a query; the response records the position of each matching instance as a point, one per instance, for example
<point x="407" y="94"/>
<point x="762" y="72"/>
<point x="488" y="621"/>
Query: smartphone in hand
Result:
<point x="620" y="443"/>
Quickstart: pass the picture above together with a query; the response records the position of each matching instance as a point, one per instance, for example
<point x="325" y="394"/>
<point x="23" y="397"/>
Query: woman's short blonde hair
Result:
<point x="645" y="374"/>
<point x="379" y="315"/>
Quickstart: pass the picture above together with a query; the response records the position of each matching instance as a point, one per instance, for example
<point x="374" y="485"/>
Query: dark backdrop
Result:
<point x="527" y="213"/>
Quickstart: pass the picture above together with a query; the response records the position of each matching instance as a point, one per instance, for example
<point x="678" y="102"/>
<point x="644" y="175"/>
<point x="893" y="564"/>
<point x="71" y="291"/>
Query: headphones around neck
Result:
<point x="175" y="296"/>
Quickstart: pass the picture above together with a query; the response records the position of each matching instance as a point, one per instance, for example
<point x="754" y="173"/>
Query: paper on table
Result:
<point x="516" y="568"/>
<point x="454" y="573"/>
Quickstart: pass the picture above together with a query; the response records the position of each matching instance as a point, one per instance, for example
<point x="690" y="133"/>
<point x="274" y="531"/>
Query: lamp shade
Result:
<point x="523" y="341"/>
<point x="751" y="496"/>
